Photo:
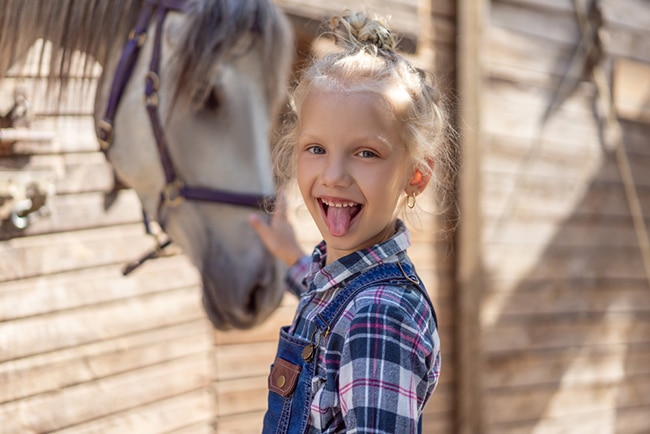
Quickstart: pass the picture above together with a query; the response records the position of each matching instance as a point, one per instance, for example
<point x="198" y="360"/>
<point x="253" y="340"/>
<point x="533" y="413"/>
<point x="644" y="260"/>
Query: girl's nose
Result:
<point x="335" y="173"/>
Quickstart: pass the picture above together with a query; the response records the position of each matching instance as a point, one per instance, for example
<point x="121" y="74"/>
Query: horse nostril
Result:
<point x="252" y="303"/>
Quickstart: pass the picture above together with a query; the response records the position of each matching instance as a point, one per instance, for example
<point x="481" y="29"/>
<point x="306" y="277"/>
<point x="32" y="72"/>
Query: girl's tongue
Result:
<point x="339" y="219"/>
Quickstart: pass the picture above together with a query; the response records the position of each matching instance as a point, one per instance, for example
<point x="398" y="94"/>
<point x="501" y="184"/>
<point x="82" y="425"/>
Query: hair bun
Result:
<point x="357" y="30"/>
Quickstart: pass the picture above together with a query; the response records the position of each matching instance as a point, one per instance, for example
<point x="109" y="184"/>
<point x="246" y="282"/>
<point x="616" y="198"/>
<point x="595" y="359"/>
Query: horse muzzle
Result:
<point x="240" y="297"/>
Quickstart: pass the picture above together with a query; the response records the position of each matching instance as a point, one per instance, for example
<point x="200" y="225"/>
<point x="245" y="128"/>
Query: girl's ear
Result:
<point x="419" y="181"/>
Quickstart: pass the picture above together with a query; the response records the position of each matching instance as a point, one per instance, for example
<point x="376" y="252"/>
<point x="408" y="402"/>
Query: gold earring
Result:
<point x="410" y="200"/>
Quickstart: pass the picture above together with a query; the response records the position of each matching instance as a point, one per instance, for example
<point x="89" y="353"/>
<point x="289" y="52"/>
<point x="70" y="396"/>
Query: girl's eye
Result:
<point x="367" y="154"/>
<point x="315" y="149"/>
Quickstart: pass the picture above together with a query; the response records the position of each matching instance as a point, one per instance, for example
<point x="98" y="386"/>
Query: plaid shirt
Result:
<point x="381" y="361"/>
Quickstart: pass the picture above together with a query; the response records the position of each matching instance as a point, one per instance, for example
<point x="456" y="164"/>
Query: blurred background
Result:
<point x="538" y="263"/>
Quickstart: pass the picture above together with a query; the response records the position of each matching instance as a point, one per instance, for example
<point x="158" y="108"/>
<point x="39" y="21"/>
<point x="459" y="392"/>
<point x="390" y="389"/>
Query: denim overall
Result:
<point x="291" y="374"/>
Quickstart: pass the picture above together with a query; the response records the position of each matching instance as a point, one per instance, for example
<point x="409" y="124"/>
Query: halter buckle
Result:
<point x="171" y="193"/>
<point x="151" y="86"/>
<point x="141" y="38"/>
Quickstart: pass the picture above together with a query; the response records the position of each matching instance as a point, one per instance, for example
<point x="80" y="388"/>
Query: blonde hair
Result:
<point x="364" y="59"/>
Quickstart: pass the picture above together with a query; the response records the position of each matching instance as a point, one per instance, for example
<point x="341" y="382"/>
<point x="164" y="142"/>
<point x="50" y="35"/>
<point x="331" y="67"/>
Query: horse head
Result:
<point x="223" y="67"/>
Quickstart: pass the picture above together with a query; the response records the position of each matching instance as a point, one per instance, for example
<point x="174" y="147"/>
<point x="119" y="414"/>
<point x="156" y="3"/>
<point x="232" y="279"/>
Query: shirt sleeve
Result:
<point x="295" y="278"/>
<point x="385" y="370"/>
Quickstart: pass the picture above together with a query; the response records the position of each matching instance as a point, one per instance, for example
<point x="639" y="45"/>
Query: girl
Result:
<point x="363" y="353"/>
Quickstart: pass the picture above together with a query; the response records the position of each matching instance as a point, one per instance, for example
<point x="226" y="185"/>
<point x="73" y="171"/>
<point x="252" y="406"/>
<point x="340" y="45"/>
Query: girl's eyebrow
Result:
<point x="307" y="136"/>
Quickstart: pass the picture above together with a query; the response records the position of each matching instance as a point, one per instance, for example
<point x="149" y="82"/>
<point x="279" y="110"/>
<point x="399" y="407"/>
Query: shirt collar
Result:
<point x="321" y="277"/>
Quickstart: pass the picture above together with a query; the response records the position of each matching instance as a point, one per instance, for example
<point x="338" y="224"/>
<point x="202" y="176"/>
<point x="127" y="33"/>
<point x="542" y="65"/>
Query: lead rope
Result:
<point x="615" y="138"/>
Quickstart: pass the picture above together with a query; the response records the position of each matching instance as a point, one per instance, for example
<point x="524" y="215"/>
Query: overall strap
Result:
<point x="395" y="273"/>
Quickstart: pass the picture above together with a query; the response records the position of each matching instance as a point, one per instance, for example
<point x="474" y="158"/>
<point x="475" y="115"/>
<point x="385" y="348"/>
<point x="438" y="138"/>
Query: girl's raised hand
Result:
<point x="278" y="235"/>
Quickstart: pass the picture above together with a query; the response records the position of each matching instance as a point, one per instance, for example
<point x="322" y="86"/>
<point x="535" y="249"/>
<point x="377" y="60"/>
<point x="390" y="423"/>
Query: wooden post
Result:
<point x="469" y="242"/>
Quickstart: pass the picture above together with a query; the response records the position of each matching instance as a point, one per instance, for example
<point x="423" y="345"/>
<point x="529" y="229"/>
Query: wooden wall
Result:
<point x="565" y="302"/>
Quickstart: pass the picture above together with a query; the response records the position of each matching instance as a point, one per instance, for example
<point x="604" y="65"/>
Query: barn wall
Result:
<point x="82" y="348"/>
<point x="565" y="308"/>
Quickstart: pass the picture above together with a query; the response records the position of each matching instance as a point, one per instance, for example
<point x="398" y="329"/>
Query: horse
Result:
<point x="185" y="122"/>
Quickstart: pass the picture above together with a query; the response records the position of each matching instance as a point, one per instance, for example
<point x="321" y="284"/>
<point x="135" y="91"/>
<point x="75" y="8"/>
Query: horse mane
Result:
<point x="99" y="28"/>
<point x="217" y="25"/>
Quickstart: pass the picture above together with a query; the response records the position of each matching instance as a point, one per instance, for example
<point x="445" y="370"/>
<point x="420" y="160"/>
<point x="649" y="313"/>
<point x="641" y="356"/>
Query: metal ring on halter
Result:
<point x="171" y="193"/>
<point x="155" y="80"/>
<point x="410" y="200"/>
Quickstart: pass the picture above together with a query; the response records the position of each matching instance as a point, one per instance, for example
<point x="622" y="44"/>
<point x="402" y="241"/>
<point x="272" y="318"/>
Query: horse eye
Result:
<point x="212" y="101"/>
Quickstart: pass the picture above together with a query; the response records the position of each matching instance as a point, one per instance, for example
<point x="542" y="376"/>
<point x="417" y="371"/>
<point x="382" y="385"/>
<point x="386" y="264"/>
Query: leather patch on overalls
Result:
<point x="283" y="377"/>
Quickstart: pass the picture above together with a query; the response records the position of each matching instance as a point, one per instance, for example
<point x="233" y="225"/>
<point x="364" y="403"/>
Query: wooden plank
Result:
<point x="442" y="400"/>
<point x="632" y="90"/>
<point x="82" y="211"/>
<point x="541" y="97"/>
<point x="243" y="360"/>
<point x="560" y="333"/>
<point x="535" y="22"/>
<point x="72" y="134"/>
<point x="79" y="99"/>
<point x="438" y="425"/>
<point x="533" y="198"/>
<point x="578" y="366"/>
<point x="403" y="14"/>
<point x="508" y="57"/>
<point x="626" y="43"/>
<point x="438" y="414"/>
<point x="615" y="420"/>
<point x="71" y="172"/>
<point x="30" y="66"/>
<point x="447" y="8"/>
<point x="531" y="403"/>
<point x="75" y="289"/>
<point x="631" y="14"/>
<point x="21" y="258"/>
<point x="578" y="232"/>
<point x="635" y="136"/>
<point x="521" y="261"/>
<point x="186" y="413"/>
<point x="444" y="31"/>
<point x="243" y="395"/>
<point x="548" y="159"/>
<point x="206" y="427"/>
<point x="265" y="332"/>
<point x="51" y="371"/>
<point x="84" y="402"/>
<point x="469" y="416"/>
<point x="244" y="423"/>
<point x="558" y="6"/>
<point x="35" y="335"/>
<point x="520" y="112"/>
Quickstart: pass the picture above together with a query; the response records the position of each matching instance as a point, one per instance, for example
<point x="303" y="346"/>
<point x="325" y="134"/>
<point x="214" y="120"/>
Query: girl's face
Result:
<point x="352" y="168"/>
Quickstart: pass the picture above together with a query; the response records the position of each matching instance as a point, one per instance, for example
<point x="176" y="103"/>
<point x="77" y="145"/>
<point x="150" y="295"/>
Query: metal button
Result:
<point x="280" y="381"/>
